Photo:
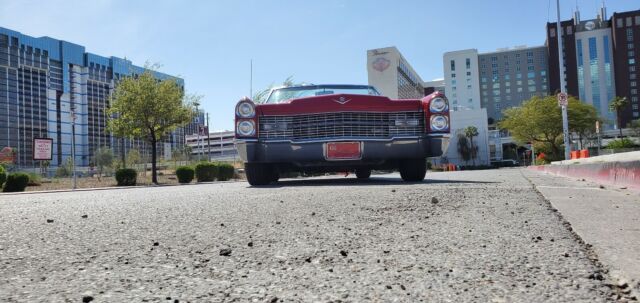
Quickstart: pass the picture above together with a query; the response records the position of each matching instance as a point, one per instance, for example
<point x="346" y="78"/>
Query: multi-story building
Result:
<point x="510" y="76"/>
<point x="436" y="85"/>
<point x="462" y="79"/>
<point x="55" y="89"/>
<point x="625" y="28"/>
<point x="391" y="74"/>
<point x="600" y="60"/>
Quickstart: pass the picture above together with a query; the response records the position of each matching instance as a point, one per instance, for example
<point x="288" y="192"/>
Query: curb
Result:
<point x="621" y="174"/>
<point x="112" y="188"/>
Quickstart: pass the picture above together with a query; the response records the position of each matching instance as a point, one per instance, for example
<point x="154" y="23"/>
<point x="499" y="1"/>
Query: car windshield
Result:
<point x="287" y="93"/>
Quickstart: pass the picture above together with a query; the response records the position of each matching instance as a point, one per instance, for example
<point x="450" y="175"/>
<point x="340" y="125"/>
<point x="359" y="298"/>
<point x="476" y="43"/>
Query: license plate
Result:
<point x="343" y="151"/>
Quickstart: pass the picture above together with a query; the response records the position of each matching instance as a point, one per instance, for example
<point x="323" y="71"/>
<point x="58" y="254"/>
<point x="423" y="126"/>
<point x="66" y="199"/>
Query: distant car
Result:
<point x="339" y="128"/>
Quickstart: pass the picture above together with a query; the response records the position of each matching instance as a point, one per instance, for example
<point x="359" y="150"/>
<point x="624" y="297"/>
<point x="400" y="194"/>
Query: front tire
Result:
<point x="259" y="173"/>
<point x="413" y="170"/>
<point x="363" y="173"/>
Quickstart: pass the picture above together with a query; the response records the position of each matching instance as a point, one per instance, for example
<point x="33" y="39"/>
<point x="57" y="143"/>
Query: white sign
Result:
<point x="42" y="148"/>
<point x="563" y="99"/>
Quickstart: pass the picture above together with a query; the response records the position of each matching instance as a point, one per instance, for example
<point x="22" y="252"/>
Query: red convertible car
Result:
<point x="339" y="128"/>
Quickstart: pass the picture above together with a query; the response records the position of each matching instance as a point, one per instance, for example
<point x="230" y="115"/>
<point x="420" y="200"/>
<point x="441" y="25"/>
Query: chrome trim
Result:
<point x="236" y="141"/>
<point x="342" y="140"/>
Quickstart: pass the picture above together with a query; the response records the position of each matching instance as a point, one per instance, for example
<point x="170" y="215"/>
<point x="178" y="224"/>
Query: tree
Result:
<point x="146" y="108"/>
<point x="463" y="148"/>
<point x="470" y="132"/>
<point x="539" y="120"/>
<point x="617" y="105"/>
<point x="103" y="158"/>
<point x="582" y="120"/>
<point x="133" y="158"/>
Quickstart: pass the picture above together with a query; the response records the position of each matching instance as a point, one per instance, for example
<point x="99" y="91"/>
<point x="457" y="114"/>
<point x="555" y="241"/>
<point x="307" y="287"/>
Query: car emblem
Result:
<point x="342" y="100"/>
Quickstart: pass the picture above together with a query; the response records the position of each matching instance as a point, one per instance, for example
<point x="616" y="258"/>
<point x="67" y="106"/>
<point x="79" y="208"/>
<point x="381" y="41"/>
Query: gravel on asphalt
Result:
<point x="457" y="237"/>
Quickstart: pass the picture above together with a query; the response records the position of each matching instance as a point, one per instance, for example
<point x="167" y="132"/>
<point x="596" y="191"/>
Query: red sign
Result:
<point x="343" y="151"/>
<point x="42" y="148"/>
<point x="7" y="155"/>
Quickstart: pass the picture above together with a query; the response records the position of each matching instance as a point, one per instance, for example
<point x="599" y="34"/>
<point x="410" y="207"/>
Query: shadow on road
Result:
<point x="350" y="181"/>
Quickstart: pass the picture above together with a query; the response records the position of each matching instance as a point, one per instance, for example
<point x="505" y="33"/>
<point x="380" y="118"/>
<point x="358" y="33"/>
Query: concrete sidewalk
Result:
<point x="608" y="219"/>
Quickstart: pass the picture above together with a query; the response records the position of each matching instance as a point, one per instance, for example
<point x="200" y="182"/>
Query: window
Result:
<point x="494" y="59"/>
<point x="632" y="76"/>
<point x="468" y="73"/>
<point x="518" y="76"/>
<point x="506" y="77"/>
<point x="519" y="82"/>
<point x="637" y="20"/>
<point x="629" y="21"/>
<point x="519" y="89"/>
<point x="629" y="34"/>
<point x="468" y="86"/>
<point x="530" y="67"/>
<point x="532" y="89"/>
<point x="508" y="90"/>
<point x="530" y="61"/>
<point x="543" y="73"/>
<point x="484" y="86"/>
<point x="634" y="91"/>
<point x="634" y="99"/>
<point x="531" y="82"/>
<point x="453" y="82"/>
<point x="468" y="61"/>
<point x="632" y="68"/>
<point x="633" y="84"/>
<point x="453" y="88"/>
<point x="630" y="46"/>
<point x="632" y="61"/>
<point x="517" y="68"/>
<point x="531" y="75"/>
<point x="494" y="65"/>
<point x="484" y="79"/>
<point x="496" y="92"/>
<point x="496" y="85"/>
<point x="552" y="33"/>
<point x="529" y="54"/>
<point x="453" y="65"/>
<point x="630" y="53"/>
<point x="507" y="84"/>
<point x="453" y="75"/>
<point x="569" y="30"/>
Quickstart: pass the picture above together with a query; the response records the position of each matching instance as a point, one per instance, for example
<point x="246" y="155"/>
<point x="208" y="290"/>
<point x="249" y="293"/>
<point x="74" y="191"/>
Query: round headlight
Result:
<point x="437" y="105"/>
<point x="246" y="128"/>
<point x="246" y="110"/>
<point x="439" y="123"/>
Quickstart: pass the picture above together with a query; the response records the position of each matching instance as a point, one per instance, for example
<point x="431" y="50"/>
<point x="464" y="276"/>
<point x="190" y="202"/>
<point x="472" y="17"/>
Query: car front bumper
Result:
<point x="313" y="153"/>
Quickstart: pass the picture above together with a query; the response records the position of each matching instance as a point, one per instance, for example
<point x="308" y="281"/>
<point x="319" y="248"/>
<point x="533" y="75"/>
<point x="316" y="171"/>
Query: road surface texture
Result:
<point x="480" y="236"/>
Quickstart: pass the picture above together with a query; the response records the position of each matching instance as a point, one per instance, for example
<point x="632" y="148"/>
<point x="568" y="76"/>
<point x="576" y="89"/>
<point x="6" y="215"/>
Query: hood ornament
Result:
<point x="342" y="100"/>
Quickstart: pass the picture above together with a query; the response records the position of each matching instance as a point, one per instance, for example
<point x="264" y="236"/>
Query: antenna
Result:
<point x="251" y="79"/>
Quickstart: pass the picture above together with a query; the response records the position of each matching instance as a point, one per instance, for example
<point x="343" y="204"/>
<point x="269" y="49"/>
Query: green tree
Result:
<point x="617" y="105"/>
<point x="470" y="132"/>
<point x="582" y="120"/>
<point x="463" y="147"/>
<point x="133" y="158"/>
<point x="104" y="158"/>
<point x="539" y="120"/>
<point x="143" y="107"/>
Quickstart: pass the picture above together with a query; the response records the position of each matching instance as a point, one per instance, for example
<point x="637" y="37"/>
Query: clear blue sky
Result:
<point x="210" y="43"/>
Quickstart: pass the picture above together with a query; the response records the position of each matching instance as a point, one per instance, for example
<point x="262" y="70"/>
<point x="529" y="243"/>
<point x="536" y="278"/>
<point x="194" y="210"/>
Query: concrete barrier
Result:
<point x="607" y="170"/>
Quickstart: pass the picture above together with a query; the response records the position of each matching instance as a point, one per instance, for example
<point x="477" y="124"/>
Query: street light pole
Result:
<point x="73" y="146"/>
<point x="563" y="90"/>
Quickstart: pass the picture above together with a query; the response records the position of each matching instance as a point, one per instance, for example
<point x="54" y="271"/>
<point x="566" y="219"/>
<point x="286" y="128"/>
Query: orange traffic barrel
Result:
<point x="584" y="153"/>
<point x="575" y="154"/>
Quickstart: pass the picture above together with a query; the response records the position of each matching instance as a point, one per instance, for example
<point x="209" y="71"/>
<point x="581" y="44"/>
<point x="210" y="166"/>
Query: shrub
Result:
<point x="62" y="172"/>
<point x="3" y="175"/>
<point x="225" y="171"/>
<point x="16" y="182"/>
<point x="126" y="176"/>
<point x="541" y="161"/>
<point x="206" y="171"/>
<point x="185" y="174"/>
<point x="34" y="179"/>
<point x="621" y="143"/>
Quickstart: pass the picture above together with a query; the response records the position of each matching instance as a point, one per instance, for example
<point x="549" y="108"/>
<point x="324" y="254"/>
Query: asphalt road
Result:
<point x="483" y="236"/>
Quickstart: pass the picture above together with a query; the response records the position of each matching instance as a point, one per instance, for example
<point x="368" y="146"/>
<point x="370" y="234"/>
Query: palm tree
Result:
<point x="470" y="132"/>
<point x="616" y="105"/>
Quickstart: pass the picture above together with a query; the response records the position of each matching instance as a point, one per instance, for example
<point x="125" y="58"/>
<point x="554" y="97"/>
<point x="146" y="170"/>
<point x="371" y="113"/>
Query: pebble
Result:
<point x="225" y="252"/>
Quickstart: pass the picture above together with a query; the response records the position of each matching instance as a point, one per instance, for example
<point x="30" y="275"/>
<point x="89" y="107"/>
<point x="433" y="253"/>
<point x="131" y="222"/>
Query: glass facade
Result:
<point x="593" y="67"/>
<point x="53" y="88"/>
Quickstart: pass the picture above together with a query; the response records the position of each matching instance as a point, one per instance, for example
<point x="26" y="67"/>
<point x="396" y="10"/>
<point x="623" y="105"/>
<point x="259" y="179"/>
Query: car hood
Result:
<point x="338" y="103"/>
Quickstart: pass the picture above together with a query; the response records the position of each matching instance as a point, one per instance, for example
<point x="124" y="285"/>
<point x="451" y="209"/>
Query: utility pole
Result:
<point x="563" y="90"/>
<point x="209" y="137"/>
<point x="73" y="145"/>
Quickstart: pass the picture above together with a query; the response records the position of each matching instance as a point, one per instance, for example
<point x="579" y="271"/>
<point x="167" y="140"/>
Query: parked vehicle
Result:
<point x="338" y="128"/>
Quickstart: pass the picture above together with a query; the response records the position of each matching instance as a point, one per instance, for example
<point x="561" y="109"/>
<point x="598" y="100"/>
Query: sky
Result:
<point x="211" y="43"/>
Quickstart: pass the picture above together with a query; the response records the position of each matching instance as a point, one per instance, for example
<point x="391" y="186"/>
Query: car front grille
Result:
<point x="341" y="125"/>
